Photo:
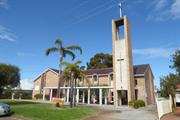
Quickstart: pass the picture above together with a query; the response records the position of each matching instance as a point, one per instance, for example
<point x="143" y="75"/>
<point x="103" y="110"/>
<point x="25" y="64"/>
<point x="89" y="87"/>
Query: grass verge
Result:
<point x="38" y="111"/>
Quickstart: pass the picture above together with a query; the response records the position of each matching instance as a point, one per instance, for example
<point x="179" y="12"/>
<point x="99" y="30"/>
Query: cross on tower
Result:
<point x="120" y="5"/>
<point x="120" y="9"/>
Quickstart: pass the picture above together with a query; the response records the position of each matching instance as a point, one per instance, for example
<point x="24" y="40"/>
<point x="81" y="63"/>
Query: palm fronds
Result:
<point x="59" y="42"/>
<point x="70" y="53"/>
<point x="49" y="50"/>
<point x="75" y="47"/>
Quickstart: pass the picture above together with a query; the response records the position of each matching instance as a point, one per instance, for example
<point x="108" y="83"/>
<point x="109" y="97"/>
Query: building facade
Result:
<point x="116" y="86"/>
<point x="99" y="89"/>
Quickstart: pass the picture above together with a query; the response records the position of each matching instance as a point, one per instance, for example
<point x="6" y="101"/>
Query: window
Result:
<point x="136" y="94"/>
<point x="80" y="79"/>
<point x="111" y="77"/>
<point x="135" y="83"/>
<point x="95" y="78"/>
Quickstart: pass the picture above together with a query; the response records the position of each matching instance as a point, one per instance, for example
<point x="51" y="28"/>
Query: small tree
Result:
<point x="9" y="76"/>
<point x="176" y="61"/>
<point x="71" y="73"/>
<point x="168" y="86"/>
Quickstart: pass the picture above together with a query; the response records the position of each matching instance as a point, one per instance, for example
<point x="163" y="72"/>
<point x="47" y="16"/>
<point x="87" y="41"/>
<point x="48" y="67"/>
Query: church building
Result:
<point x="115" y="86"/>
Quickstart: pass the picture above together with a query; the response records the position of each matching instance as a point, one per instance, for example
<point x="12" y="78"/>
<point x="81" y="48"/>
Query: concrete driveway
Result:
<point x="148" y="113"/>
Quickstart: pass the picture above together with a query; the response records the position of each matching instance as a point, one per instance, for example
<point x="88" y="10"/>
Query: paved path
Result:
<point x="172" y="116"/>
<point x="148" y="113"/>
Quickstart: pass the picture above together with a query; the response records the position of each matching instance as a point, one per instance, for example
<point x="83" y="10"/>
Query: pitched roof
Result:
<point x="98" y="71"/>
<point x="57" y="71"/>
<point x="138" y="70"/>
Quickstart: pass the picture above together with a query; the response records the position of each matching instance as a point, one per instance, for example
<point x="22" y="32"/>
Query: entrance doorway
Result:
<point x="122" y="97"/>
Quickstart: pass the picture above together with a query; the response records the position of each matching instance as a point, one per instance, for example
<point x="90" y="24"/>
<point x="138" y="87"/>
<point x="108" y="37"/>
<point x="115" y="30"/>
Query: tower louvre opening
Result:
<point x="120" y="29"/>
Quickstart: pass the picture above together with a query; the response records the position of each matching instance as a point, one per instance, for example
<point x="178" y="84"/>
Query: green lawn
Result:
<point x="37" y="111"/>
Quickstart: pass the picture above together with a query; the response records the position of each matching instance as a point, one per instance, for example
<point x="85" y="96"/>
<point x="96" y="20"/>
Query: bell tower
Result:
<point x="122" y="61"/>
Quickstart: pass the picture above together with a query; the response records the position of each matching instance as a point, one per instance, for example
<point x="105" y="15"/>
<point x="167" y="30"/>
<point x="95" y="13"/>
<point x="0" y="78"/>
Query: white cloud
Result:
<point x="3" y="4"/>
<point x="6" y="34"/>
<point x="159" y="4"/>
<point x="175" y="9"/>
<point x="155" y="52"/>
<point x="26" y="84"/>
<point x="162" y="10"/>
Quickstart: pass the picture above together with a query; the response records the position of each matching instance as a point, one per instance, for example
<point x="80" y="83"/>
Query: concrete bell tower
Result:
<point x="122" y="61"/>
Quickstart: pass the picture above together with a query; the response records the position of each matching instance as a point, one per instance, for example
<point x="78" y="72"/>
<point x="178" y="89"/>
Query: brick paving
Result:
<point x="172" y="116"/>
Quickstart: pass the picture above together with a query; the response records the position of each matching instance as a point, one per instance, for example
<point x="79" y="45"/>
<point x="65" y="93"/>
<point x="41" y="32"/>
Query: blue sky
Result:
<point x="28" y="27"/>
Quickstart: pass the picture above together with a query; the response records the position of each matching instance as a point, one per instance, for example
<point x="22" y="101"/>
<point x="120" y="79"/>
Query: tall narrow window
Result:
<point x="95" y="78"/>
<point x="111" y="77"/>
<point x="135" y="83"/>
<point x="136" y="94"/>
<point x="80" y="81"/>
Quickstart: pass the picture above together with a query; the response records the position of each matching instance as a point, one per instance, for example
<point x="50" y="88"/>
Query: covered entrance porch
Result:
<point x="85" y="95"/>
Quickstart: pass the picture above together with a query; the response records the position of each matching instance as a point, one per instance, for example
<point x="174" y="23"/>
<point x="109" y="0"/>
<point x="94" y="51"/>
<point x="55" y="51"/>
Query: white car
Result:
<point x="4" y="109"/>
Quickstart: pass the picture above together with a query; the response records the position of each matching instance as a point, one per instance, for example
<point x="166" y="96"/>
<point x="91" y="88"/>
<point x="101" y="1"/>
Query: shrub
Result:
<point x="131" y="103"/>
<point x="26" y="96"/>
<point x="38" y="96"/>
<point x="137" y="103"/>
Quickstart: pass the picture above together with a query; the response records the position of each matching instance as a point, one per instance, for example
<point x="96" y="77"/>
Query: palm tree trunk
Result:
<point x="59" y="84"/>
<point x="75" y="93"/>
<point x="71" y="93"/>
<point x="59" y="79"/>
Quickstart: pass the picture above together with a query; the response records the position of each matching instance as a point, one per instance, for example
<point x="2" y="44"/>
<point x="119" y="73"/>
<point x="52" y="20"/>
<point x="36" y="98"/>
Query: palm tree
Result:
<point x="63" y="52"/>
<point x="71" y="73"/>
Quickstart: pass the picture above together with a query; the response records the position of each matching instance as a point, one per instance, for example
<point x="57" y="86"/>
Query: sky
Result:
<point x="29" y="27"/>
